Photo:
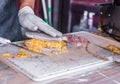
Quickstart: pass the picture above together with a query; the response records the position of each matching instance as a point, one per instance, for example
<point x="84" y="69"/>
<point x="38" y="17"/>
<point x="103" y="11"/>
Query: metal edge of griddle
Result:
<point x="76" y="70"/>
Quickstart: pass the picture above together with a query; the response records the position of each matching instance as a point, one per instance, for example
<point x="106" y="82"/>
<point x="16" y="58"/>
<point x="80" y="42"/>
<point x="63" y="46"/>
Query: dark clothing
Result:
<point x="9" y="24"/>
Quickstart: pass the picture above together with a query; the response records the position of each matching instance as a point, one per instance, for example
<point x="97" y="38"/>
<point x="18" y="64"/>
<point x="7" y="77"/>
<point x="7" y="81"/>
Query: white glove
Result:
<point x="29" y="20"/>
<point x="4" y="41"/>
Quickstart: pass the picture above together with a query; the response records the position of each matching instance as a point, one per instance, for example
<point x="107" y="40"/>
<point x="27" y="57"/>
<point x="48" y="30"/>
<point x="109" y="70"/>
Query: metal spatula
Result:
<point x="42" y="36"/>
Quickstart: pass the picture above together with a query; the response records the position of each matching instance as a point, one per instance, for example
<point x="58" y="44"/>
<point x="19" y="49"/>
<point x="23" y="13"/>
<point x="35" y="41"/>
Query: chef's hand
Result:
<point x="4" y="40"/>
<point x="29" y="20"/>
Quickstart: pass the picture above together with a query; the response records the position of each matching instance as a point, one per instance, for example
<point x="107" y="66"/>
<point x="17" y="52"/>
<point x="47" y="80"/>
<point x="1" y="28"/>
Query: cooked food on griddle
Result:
<point x="47" y="47"/>
<point x="39" y="46"/>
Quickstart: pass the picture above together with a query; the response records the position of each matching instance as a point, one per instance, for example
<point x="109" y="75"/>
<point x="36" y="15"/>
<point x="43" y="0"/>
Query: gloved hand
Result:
<point x="29" y="20"/>
<point x="4" y="41"/>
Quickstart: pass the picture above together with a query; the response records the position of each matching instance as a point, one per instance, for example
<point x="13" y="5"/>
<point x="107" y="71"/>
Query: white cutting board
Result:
<point x="46" y="67"/>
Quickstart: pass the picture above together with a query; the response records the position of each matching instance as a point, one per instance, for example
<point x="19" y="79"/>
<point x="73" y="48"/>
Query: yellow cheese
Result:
<point x="21" y="53"/>
<point x="113" y="48"/>
<point x="37" y="45"/>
